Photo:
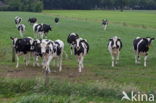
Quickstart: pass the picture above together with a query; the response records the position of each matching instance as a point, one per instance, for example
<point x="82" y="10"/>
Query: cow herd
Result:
<point x="49" y="50"/>
<point x="46" y="49"/>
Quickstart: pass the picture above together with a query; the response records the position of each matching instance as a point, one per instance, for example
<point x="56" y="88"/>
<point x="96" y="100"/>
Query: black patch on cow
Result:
<point x="32" y="20"/>
<point x="72" y="38"/>
<point x="81" y="49"/>
<point x="58" y="48"/>
<point x="23" y="45"/>
<point x="36" y="48"/>
<point x="18" y="20"/>
<point x="46" y="28"/>
<point x="39" y="28"/>
<point x="56" y="20"/>
<point x="104" y="22"/>
<point x="112" y="43"/>
<point x="20" y="28"/>
<point x="143" y="46"/>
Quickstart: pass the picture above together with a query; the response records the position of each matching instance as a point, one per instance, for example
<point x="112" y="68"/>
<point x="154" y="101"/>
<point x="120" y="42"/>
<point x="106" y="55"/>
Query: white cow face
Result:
<point x="43" y="47"/>
<point x="115" y="42"/>
<point x="14" y="40"/>
<point x="150" y="40"/>
<point x="78" y="43"/>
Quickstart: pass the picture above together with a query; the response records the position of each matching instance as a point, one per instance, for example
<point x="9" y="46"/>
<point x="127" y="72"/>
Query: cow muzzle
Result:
<point x="78" y="48"/>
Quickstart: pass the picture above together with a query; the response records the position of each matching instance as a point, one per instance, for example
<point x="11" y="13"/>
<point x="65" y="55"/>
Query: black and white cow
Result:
<point x="22" y="48"/>
<point x="81" y="48"/>
<point x="36" y="51"/>
<point x="32" y="20"/>
<point x="21" y="29"/>
<point x="105" y="24"/>
<point x="18" y="20"/>
<point x="72" y="40"/>
<point x="141" y="47"/>
<point x="41" y="30"/>
<point x="50" y="50"/>
<point x="46" y="29"/>
<point x="56" y="20"/>
<point x="114" y="47"/>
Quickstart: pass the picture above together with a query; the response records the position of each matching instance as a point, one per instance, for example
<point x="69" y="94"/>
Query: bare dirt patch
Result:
<point x="68" y="73"/>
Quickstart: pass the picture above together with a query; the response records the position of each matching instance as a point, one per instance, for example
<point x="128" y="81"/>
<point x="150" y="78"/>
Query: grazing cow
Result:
<point x="41" y="29"/>
<point x="32" y="20"/>
<point x="18" y="20"/>
<point x="56" y="20"/>
<point x="81" y="48"/>
<point x="72" y="40"/>
<point x="141" y="47"/>
<point x="22" y="47"/>
<point x="50" y="50"/>
<point x="21" y="29"/>
<point x="105" y="24"/>
<point x="114" y="47"/>
<point x="46" y="29"/>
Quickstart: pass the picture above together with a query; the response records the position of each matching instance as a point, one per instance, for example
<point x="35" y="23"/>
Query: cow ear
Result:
<point x="11" y="38"/>
<point x="48" y="43"/>
<point x="152" y="38"/>
<point x="77" y="35"/>
<point x="119" y="39"/>
<point x="110" y="39"/>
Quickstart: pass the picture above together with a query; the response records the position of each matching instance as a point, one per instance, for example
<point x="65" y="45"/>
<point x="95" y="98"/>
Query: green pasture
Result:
<point x="125" y="76"/>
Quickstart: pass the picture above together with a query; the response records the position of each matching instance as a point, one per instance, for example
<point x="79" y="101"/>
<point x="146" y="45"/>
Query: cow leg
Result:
<point x="55" y="62"/>
<point x="113" y="58"/>
<point x="117" y="58"/>
<point x="136" y="59"/>
<point x="36" y="61"/>
<point x="78" y="59"/>
<point x="48" y="63"/>
<point x="26" y="60"/>
<point x="17" y="58"/>
<point x="145" y="59"/>
<point x="105" y="26"/>
<point x="44" y="62"/>
<point x="139" y="59"/>
<point x="41" y="35"/>
<point x="21" y="34"/>
<point x="82" y="58"/>
<point x="71" y="50"/>
<point x="60" y="63"/>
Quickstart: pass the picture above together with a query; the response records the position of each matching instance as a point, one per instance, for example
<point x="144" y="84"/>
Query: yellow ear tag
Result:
<point x="150" y="46"/>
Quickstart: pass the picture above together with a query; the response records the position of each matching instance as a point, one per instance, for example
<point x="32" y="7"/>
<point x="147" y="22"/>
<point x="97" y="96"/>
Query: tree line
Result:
<point x="22" y="5"/>
<point x="99" y="4"/>
<point x="39" y="5"/>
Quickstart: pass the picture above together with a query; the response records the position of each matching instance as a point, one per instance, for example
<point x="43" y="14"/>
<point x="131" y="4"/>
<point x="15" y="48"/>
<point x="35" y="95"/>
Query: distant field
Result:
<point x="137" y="18"/>
<point x="99" y="83"/>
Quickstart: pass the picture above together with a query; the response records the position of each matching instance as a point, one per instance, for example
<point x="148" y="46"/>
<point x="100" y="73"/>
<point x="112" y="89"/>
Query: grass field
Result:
<point x="99" y="82"/>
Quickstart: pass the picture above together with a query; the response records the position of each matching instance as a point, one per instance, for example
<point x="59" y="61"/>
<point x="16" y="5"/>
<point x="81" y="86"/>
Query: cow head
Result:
<point x="78" y="43"/>
<point x="35" y="45"/>
<point x="149" y="39"/>
<point x="43" y="46"/>
<point x="72" y="38"/>
<point x="46" y="46"/>
<point x="49" y="28"/>
<point x="115" y="42"/>
<point x="14" y="40"/>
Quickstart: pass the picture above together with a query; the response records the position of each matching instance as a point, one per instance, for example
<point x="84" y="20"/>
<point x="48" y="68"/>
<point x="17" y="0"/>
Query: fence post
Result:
<point x="13" y="54"/>
<point x="46" y="78"/>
